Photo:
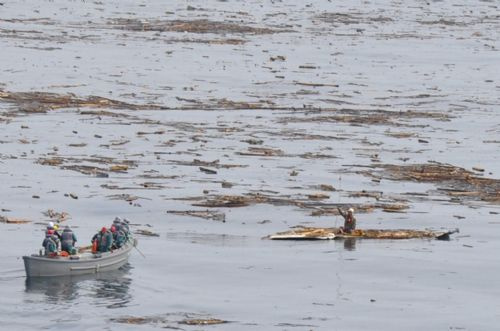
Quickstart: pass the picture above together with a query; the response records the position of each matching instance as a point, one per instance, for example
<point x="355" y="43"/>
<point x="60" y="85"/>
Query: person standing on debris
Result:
<point x="68" y="240"/>
<point x="349" y="220"/>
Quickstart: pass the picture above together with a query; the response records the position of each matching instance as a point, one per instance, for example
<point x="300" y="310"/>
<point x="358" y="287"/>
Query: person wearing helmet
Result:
<point x="106" y="240"/>
<point x="68" y="240"/>
<point x="119" y="237"/>
<point x="117" y="223"/>
<point x="349" y="220"/>
<point x="103" y="240"/>
<point x="54" y="227"/>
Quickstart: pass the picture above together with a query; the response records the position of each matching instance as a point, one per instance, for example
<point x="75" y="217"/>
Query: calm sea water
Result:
<point x="429" y="57"/>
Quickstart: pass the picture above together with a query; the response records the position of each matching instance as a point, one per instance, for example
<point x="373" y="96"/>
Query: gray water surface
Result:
<point x="336" y="58"/>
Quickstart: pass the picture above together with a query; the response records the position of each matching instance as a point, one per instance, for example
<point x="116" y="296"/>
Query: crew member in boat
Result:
<point x="119" y="224"/>
<point x="48" y="234"/>
<point x="349" y="220"/>
<point x="54" y="228"/>
<point x="126" y="228"/>
<point x="104" y="239"/>
<point x="50" y="244"/>
<point x="119" y="237"/>
<point x="68" y="240"/>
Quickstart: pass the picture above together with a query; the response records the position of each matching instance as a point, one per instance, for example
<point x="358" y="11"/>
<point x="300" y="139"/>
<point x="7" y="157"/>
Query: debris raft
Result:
<point x="212" y="164"/>
<point x="106" y="164"/>
<point x="168" y="321"/>
<point x="42" y="102"/>
<point x="262" y="151"/>
<point x="118" y="168"/>
<point x="458" y="183"/>
<point x="311" y="233"/>
<point x="337" y="19"/>
<point x="57" y="216"/>
<point x="206" y="214"/>
<point x="226" y="104"/>
<point x="318" y="196"/>
<point x="13" y="220"/>
<point x="203" y="321"/>
<point x="226" y="201"/>
<point x="191" y="26"/>
<point x="305" y="234"/>
<point x="146" y="233"/>
<point x="139" y="320"/>
<point x="309" y="203"/>
<point x="365" y="117"/>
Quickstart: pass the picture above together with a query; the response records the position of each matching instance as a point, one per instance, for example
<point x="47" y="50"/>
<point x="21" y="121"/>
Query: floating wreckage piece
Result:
<point x="309" y="233"/>
<point x="303" y="233"/>
<point x="13" y="220"/>
<point x="206" y="214"/>
<point x="57" y="216"/>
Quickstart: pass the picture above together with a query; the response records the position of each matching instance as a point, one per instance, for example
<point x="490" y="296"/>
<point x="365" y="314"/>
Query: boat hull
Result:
<point x="87" y="263"/>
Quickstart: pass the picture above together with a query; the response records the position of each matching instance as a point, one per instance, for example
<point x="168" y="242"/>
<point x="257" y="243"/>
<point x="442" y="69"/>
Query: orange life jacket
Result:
<point x="94" y="246"/>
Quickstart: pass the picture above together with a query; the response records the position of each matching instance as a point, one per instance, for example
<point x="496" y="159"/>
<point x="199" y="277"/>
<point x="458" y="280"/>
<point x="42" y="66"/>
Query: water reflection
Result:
<point x="110" y="289"/>
<point x="350" y="244"/>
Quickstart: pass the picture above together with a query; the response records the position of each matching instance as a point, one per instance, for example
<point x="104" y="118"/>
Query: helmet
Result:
<point x="113" y="228"/>
<point x="117" y="219"/>
<point x="66" y="229"/>
<point x="104" y="229"/>
<point x="50" y="225"/>
<point x="351" y="210"/>
<point x="50" y="232"/>
<point x="56" y="226"/>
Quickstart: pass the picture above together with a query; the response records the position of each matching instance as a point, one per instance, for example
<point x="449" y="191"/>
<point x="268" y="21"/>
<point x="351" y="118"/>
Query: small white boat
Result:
<point x="83" y="263"/>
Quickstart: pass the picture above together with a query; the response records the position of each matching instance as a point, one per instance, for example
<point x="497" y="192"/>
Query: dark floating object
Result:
<point x="208" y="171"/>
